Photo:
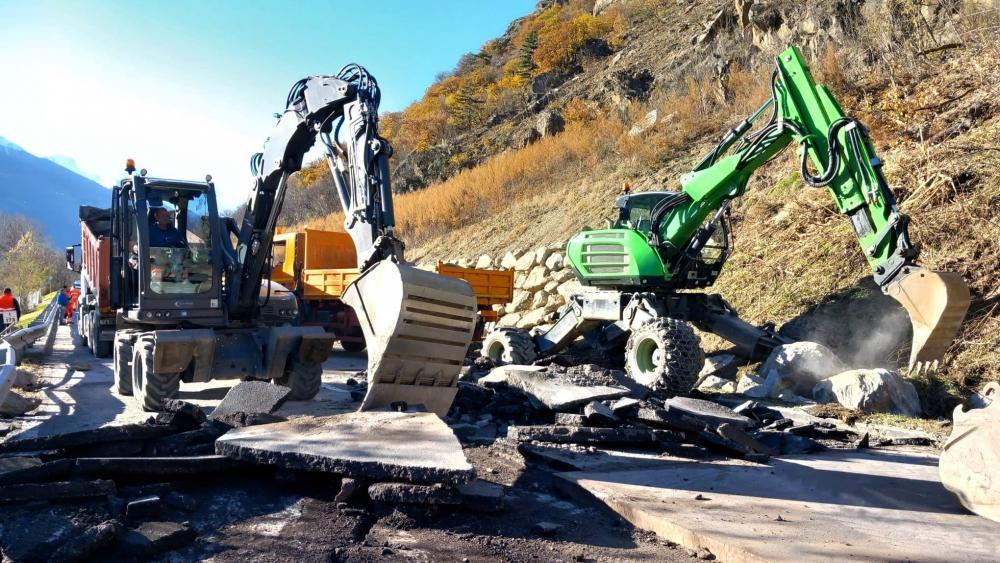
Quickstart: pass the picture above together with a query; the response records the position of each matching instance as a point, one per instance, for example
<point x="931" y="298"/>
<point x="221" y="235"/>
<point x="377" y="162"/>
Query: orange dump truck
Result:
<point x="317" y="266"/>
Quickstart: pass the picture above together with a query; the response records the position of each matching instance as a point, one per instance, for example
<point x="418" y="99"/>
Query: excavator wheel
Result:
<point x="509" y="346"/>
<point x="303" y="378"/>
<point x="150" y="389"/>
<point x="664" y="353"/>
<point x="123" y="366"/>
<point x="352" y="346"/>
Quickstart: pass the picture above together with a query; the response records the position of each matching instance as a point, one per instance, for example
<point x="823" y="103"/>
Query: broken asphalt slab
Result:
<point x="590" y="435"/>
<point x="834" y="506"/>
<point x="413" y="447"/>
<point x="556" y="393"/>
<point x="103" y="435"/>
<point x="252" y="397"/>
<point x="61" y="490"/>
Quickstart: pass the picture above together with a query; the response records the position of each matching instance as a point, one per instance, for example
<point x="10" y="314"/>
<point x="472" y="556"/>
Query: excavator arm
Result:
<point x="846" y="165"/>
<point x="417" y="324"/>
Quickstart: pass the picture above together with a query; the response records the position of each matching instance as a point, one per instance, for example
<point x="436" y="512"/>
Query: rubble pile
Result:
<point x="586" y="408"/>
<point x="136" y="474"/>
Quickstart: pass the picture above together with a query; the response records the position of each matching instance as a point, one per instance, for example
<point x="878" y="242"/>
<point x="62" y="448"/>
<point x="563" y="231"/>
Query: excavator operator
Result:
<point x="162" y="232"/>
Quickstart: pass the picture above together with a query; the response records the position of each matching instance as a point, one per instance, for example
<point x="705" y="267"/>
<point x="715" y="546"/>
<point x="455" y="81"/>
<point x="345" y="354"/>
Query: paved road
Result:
<point x="78" y="394"/>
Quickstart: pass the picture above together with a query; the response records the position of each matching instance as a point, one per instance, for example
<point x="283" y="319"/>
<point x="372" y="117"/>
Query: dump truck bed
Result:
<point x="492" y="287"/>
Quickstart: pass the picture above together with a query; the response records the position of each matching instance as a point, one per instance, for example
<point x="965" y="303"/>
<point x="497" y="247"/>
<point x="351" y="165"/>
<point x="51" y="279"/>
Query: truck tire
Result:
<point x="123" y="366"/>
<point x="664" y="353"/>
<point x="150" y="389"/>
<point x="303" y="378"/>
<point x="509" y="346"/>
<point x="100" y="349"/>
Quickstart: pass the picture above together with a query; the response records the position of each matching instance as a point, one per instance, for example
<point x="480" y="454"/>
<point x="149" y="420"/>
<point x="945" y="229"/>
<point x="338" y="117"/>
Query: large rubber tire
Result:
<point x="88" y="327"/>
<point x="150" y="389"/>
<point x="123" y="366"/>
<point x="303" y="378"/>
<point x="104" y="348"/>
<point x="99" y="348"/>
<point x="665" y="354"/>
<point x="509" y="346"/>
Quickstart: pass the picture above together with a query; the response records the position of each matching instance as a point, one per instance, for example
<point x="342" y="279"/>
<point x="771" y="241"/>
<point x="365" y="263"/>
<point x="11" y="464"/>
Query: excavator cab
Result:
<point x="169" y="249"/>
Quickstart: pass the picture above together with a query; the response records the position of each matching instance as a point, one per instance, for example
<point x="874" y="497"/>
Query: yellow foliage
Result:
<point x="558" y="43"/>
<point x="580" y="111"/>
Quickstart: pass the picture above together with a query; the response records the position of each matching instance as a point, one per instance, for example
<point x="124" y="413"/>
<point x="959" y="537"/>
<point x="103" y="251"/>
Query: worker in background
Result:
<point x="10" y="309"/>
<point x="74" y="295"/>
<point x="62" y="301"/>
<point x="162" y="232"/>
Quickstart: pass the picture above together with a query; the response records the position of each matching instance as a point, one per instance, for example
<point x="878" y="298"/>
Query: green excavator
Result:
<point x="666" y="243"/>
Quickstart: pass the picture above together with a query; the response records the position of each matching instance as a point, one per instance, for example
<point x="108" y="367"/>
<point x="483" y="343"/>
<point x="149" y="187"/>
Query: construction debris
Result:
<point x="552" y="390"/>
<point x="587" y="435"/>
<point x="60" y="490"/>
<point x="408" y="493"/>
<point x="103" y="435"/>
<point x="151" y="538"/>
<point x="155" y="466"/>
<point x="252" y="397"/>
<point x="412" y="447"/>
<point x="92" y="539"/>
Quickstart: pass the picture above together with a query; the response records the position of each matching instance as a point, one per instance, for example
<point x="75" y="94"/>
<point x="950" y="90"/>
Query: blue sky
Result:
<point x="188" y="88"/>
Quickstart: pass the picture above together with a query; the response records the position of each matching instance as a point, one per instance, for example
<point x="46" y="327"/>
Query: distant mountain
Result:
<point x="46" y="192"/>
<point x="71" y="165"/>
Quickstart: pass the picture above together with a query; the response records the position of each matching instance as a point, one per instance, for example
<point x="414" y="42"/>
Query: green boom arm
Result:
<point x="807" y="114"/>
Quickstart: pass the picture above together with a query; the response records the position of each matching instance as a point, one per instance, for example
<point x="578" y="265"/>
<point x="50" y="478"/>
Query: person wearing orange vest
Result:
<point x="10" y="309"/>
<point x="74" y="295"/>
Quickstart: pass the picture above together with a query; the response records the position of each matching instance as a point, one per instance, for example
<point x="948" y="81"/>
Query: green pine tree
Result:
<point x="526" y="64"/>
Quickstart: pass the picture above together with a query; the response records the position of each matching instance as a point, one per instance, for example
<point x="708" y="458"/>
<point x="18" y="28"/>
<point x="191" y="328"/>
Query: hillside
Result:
<point x="673" y="78"/>
<point x="46" y="192"/>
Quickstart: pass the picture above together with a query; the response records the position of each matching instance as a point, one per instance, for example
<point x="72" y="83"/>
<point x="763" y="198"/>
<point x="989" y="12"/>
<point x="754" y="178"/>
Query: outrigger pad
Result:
<point x="418" y="326"/>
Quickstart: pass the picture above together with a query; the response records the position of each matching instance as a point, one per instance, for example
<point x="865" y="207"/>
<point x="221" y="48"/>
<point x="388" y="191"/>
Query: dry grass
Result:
<point x="489" y="188"/>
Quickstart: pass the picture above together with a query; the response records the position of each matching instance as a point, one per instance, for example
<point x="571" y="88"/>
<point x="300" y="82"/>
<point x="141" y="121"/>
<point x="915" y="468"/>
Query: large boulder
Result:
<point x="549" y="122"/>
<point x="554" y="261"/>
<point x="485" y="261"/>
<point x="569" y="288"/>
<point x="542" y="254"/>
<point x="520" y="301"/>
<point x="532" y="318"/>
<point x="525" y="262"/>
<point x="537" y="278"/>
<point x="798" y="367"/>
<point x="870" y="390"/>
<point x="751" y="385"/>
<point x="509" y="260"/>
<point x="539" y="299"/>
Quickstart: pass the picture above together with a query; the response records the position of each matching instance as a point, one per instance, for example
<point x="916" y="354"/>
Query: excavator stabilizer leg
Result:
<point x="418" y="326"/>
<point x="936" y="303"/>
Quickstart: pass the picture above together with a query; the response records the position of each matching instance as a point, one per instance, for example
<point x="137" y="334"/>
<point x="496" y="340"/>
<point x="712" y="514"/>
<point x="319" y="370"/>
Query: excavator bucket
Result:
<point x="936" y="302"/>
<point x="418" y="326"/>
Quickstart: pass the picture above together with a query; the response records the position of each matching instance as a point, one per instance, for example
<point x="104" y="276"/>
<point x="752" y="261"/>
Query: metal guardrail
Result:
<point x="13" y="343"/>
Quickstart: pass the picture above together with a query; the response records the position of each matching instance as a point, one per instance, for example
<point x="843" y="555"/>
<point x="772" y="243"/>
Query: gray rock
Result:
<point x="482" y="496"/>
<point x="156" y="537"/>
<point x="599" y="414"/>
<point x="161" y="466"/>
<point x="711" y="413"/>
<point x="188" y="416"/>
<point x="16" y="405"/>
<point x="788" y="444"/>
<point x="252" y="397"/>
<point x="416" y="447"/>
<point x="92" y="539"/>
<point x="143" y="508"/>
<point x="870" y="390"/>
<point x="567" y="419"/>
<point x="549" y="122"/>
<point x="408" y="493"/>
<point x="798" y="367"/>
<point x="625" y="405"/>
<point x="556" y="393"/>
<point x="349" y="487"/>
<point x="751" y="385"/>
<point x="720" y="365"/>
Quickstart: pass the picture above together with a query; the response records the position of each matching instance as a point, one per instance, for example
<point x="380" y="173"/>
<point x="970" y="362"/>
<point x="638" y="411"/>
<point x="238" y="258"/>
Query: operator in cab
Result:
<point x="162" y="232"/>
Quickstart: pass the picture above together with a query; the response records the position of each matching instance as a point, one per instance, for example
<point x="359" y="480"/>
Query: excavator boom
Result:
<point x="417" y="325"/>
<point x="839" y="148"/>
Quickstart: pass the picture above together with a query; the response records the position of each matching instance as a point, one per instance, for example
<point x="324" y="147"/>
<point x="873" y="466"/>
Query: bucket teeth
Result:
<point x="937" y="303"/>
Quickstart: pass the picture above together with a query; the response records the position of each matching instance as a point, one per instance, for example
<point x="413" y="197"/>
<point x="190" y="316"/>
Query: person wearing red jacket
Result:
<point x="10" y="309"/>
